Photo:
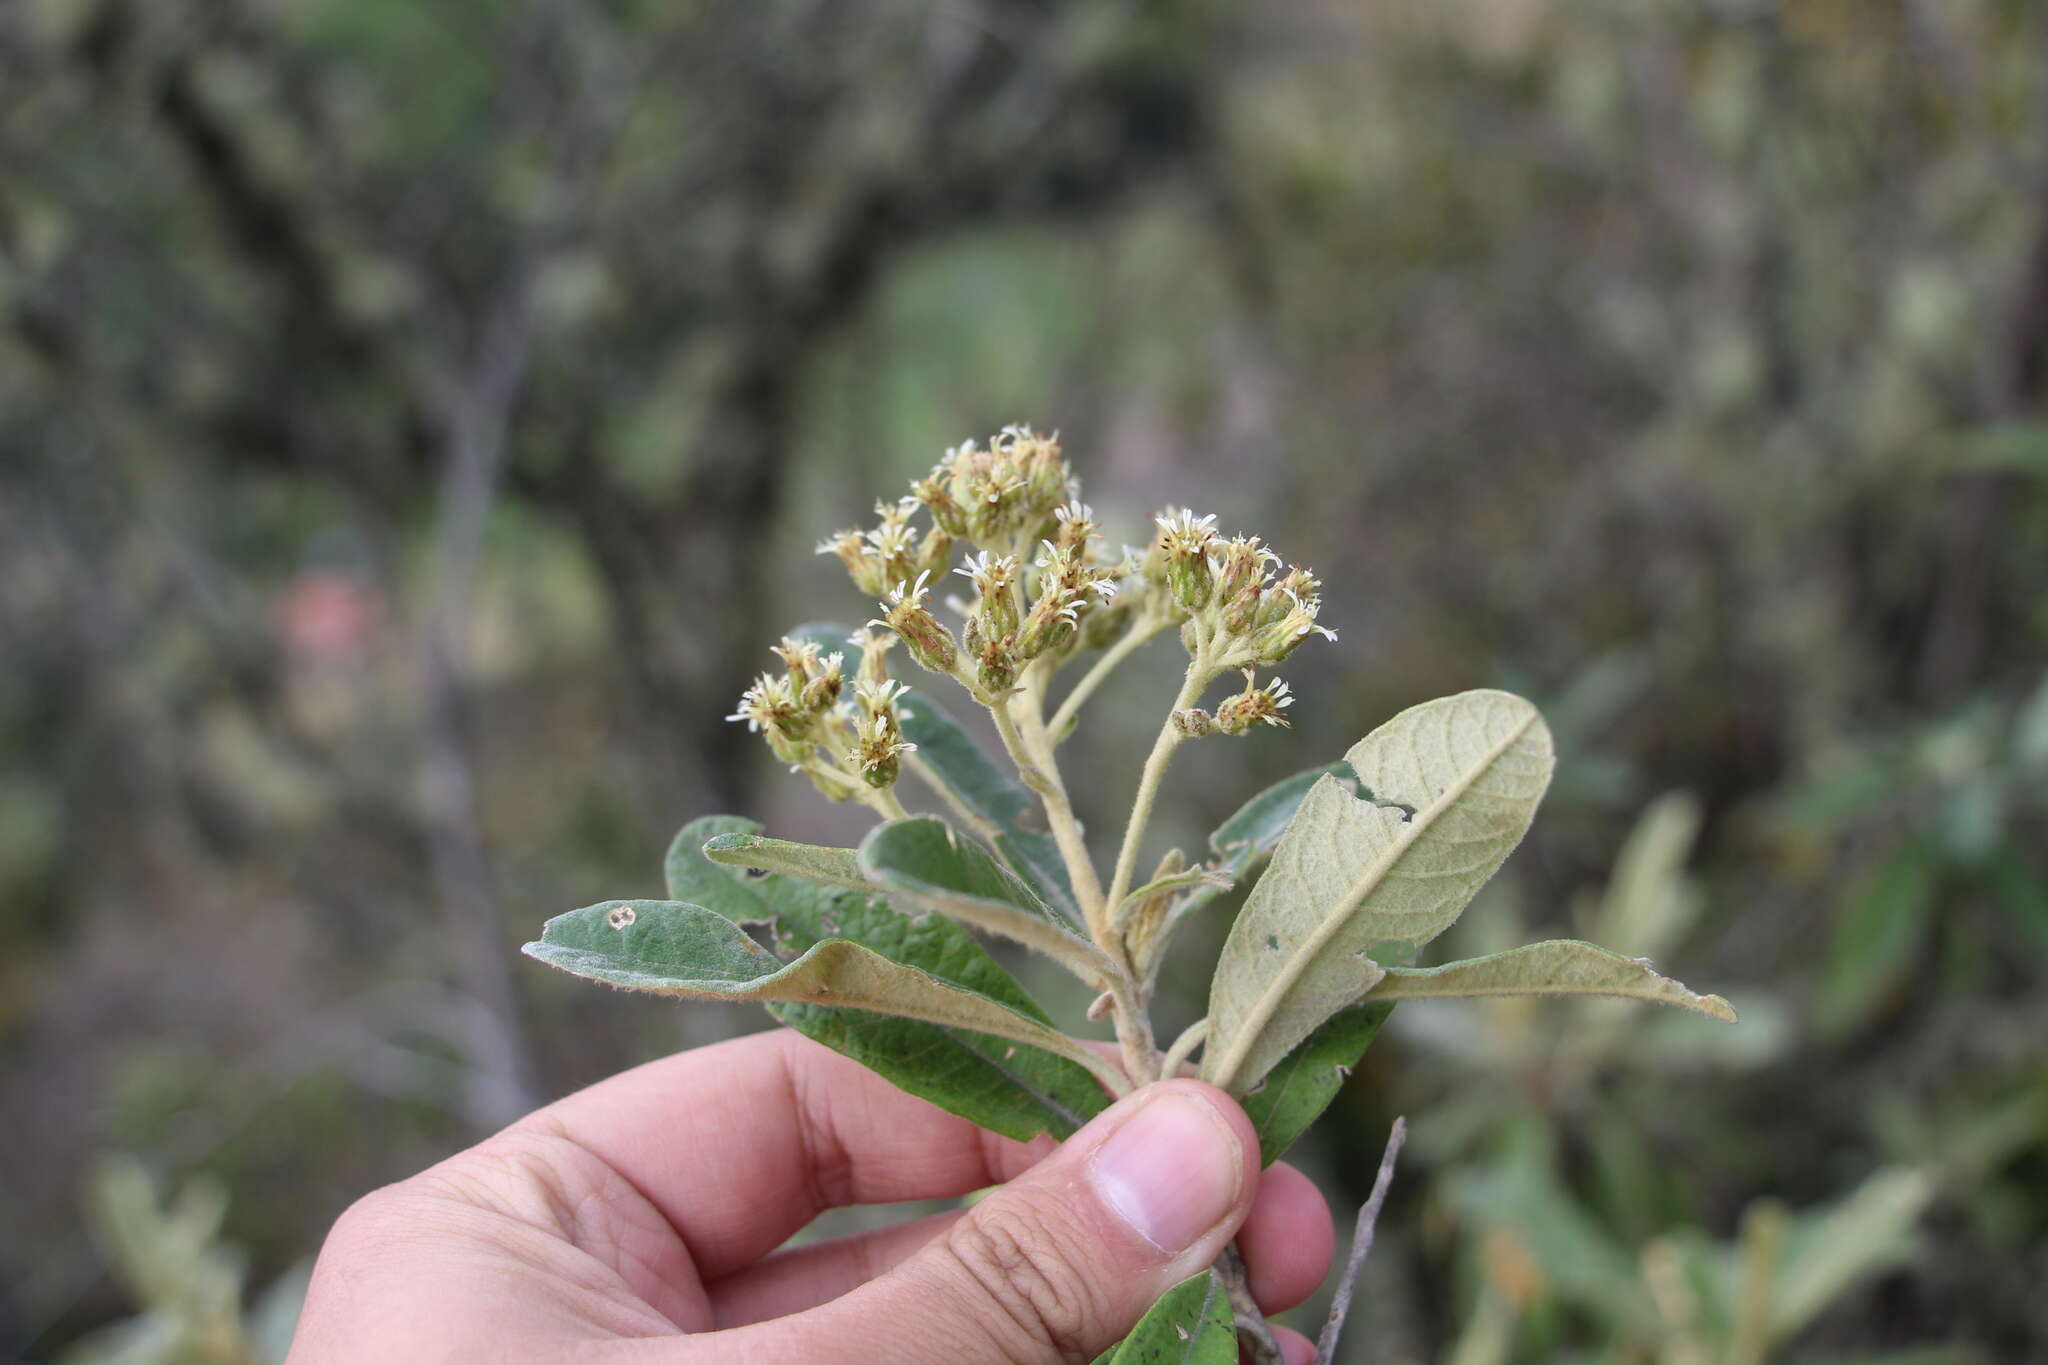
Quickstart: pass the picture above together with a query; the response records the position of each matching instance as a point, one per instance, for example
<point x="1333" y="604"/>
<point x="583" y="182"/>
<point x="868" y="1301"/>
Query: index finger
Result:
<point x="742" y="1143"/>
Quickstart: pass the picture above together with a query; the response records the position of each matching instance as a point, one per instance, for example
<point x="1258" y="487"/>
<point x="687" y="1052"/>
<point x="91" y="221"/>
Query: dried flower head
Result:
<point x="1238" y="714"/>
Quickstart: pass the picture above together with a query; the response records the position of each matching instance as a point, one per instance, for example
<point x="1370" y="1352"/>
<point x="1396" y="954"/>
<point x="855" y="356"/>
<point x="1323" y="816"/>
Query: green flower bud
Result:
<point x="1183" y="544"/>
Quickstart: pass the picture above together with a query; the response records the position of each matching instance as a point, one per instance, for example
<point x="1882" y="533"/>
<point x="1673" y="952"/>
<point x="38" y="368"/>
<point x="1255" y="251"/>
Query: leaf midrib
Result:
<point x="1291" y="972"/>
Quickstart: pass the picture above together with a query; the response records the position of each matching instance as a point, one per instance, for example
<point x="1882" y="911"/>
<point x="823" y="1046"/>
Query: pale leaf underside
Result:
<point x="1556" y="967"/>
<point x="1457" y="781"/>
<point x="838" y="867"/>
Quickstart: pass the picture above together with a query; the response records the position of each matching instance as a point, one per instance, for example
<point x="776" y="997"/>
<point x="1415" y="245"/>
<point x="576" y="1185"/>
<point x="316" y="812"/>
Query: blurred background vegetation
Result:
<point x="415" y="420"/>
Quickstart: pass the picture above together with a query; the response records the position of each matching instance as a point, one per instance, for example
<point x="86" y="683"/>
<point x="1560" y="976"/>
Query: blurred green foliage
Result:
<point x="415" y="420"/>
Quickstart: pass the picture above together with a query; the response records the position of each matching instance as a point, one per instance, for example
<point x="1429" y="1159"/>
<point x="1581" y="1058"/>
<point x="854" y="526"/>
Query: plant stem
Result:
<point x="1361" y="1245"/>
<point x="1184" y="1046"/>
<point x="1066" y="831"/>
<point x="1198" y="677"/>
<point x="884" y="801"/>
<point x="1143" y="628"/>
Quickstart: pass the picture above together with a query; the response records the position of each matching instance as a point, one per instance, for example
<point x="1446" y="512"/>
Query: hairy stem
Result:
<point x="1184" y="1046"/>
<point x="1059" y="814"/>
<point x="884" y="801"/>
<point x="1143" y="628"/>
<point x="1198" y="677"/>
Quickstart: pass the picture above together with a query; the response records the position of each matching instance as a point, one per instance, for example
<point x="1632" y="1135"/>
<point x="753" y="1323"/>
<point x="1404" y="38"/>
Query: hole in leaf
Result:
<point x="621" y="916"/>
<point x="1348" y="777"/>
<point x="755" y="874"/>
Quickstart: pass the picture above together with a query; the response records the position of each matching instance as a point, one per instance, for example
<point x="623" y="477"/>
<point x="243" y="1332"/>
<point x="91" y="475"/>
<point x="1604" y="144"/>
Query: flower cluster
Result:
<point x="1042" y="587"/>
<point x="1001" y="497"/>
<point x="1236" y="603"/>
<point x="891" y="554"/>
<point x="1043" y="590"/>
<point x="809" y="725"/>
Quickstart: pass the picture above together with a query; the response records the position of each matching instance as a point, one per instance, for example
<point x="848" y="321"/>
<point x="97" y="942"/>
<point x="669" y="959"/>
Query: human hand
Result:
<point x="638" y="1220"/>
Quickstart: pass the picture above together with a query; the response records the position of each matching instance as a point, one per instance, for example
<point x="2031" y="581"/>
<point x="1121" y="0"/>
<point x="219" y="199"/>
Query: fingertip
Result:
<point x="1233" y="1117"/>
<point x="1288" y="1239"/>
<point x="1294" y="1347"/>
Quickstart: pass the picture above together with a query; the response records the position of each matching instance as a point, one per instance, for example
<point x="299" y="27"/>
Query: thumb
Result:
<point x="1060" y="1263"/>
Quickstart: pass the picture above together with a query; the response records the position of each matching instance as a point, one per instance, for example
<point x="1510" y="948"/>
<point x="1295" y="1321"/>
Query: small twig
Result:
<point x="1254" y="1336"/>
<point x="1361" y="1245"/>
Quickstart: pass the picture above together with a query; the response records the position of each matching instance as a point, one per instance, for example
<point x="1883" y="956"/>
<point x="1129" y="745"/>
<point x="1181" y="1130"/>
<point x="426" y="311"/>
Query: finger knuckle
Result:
<point x="1017" y="1263"/>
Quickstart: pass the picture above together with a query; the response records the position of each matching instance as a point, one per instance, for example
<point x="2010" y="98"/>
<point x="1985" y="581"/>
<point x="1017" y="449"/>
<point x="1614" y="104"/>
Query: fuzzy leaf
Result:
<point x="1192" y="1324"/>
<point x="690" y="878"/>
<point x="674" y="948"/>
<point x="1300" y="1087"/>
<point x="838" y="867"/>
<point x="1016" y="1090"/>
<point x="1559" y="966"/>
<point x="1460" y="779"/>
<point x="1239" y="844"/>
<point x="926" y="862"/>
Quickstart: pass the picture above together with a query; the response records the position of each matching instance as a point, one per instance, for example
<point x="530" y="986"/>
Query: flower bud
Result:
<point x="861" y="565"/>
<point x="996" y="613"/>
<point x="996" y="669"/>
<point x="879" y="734"/>
<point x="1238" y="714"/>
<point x="823" y="690"/>
<point x="1278" y="639"/>
<point x="935" y="552"/>
<point x="928" y="641"/>
<point x="1194" y="722"/>
<point x="933" y="491"/>
<point x="1183" y="544"/>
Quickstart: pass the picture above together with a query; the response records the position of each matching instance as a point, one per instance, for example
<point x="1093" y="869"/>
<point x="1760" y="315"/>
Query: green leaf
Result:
<point x="838" y="867"/>
<point x="690" y="878"/>
<point x="673" y="948"/>
<point x="1192" y="1324"/>
<point x="1559" y="966"/>
<point x="1877" y="940"/>
<point x="1460" y="780"/>
<point x="1013" y="1089"/>
<point x="925" y="861"/>
<point x="1301" y="1085"/>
